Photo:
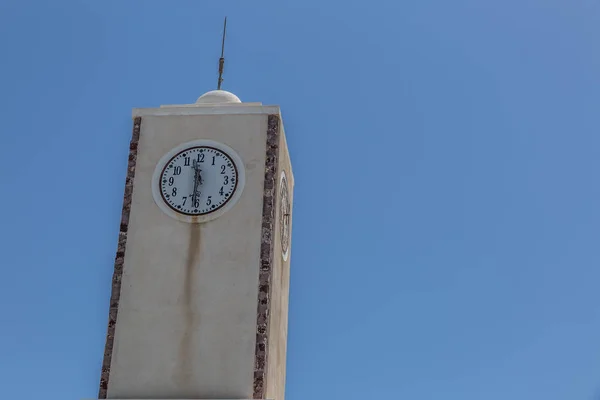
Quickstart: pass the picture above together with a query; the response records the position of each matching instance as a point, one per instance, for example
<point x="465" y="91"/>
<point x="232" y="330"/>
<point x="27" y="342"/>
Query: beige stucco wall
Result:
<point x="278" y="324"/>
<point x="187" y="313"/>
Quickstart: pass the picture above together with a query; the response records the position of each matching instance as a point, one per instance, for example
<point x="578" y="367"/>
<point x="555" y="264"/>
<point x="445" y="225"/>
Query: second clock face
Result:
<point x="284" y="215"/>
<point x="198" y="180"/>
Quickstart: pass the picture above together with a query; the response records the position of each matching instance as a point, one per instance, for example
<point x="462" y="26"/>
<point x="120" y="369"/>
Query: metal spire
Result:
<point x="222" y="59"/>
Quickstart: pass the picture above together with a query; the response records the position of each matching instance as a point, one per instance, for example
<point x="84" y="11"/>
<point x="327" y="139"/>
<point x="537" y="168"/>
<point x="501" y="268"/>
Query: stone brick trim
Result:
<point x="119" y="259"/>
<point x="266" y="258"/>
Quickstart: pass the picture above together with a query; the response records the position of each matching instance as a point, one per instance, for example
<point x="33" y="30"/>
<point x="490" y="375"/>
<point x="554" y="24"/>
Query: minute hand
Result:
<point x="197" y="181"/>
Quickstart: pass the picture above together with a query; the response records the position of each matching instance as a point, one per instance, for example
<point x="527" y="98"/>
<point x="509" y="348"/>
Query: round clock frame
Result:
<point x="199" y="213"/>
<point x="284" y="216"/>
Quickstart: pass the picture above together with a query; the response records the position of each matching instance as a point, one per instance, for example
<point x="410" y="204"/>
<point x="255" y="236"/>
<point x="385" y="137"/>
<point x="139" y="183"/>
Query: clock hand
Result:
<point x="197" y="181"/>
<point x="197" y="189"/>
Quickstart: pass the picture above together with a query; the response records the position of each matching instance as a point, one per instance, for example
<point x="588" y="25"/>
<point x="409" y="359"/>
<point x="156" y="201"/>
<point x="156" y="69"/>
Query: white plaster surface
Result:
<point x="187" y="313"/>
<point x="278" y="324"/>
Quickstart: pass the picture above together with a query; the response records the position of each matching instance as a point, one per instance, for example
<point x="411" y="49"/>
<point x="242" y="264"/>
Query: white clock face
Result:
<point x="198" y="180"/>
<point x="284" y="215"/>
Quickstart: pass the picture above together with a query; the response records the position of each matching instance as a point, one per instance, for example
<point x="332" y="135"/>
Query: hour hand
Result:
<point x="197" y="182"/>
<point x="197" y="170"/>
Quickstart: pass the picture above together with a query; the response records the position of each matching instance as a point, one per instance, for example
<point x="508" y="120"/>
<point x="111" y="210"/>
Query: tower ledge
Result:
<point x="212" y="102"/>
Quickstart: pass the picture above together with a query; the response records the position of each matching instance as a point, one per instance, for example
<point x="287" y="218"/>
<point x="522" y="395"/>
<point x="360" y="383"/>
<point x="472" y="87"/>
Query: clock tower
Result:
<point x="199" y="299"/>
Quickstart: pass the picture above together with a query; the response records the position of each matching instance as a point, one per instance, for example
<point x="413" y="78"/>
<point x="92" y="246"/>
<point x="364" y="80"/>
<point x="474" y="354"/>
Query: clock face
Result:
<point x="284" y="216"/>
<point x="196" y="181"/>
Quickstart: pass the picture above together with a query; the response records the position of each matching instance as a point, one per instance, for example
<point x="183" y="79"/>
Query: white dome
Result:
<point x="218" y="96"/>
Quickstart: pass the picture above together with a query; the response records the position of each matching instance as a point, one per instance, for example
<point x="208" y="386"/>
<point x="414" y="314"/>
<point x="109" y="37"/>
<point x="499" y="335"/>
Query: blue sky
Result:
<point x="447" y="204"/>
